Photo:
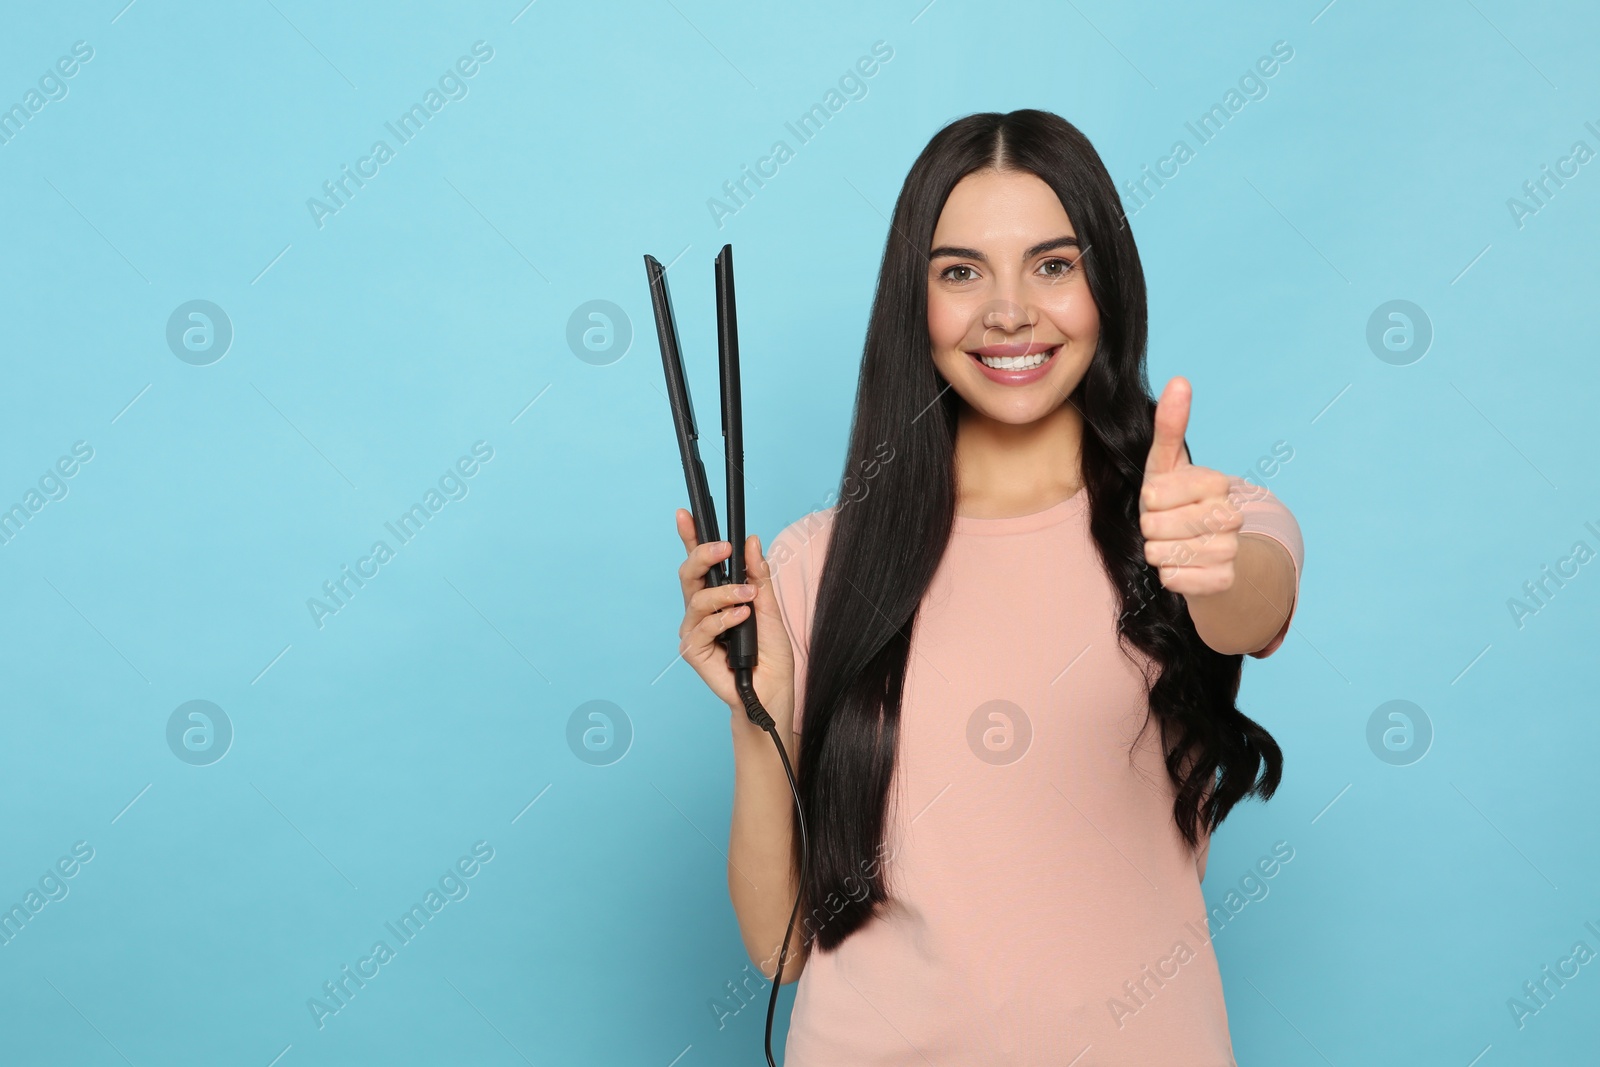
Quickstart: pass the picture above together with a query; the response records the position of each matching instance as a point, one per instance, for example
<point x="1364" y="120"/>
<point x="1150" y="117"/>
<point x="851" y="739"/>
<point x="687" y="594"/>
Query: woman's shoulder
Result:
<point x="797" y="553"/>
<point x="805" y="538"/>
<point x="795" y="556"/>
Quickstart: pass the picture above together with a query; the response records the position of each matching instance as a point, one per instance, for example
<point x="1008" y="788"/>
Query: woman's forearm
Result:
<point x="1248" y="615"/>
<point x="762" y="875"/>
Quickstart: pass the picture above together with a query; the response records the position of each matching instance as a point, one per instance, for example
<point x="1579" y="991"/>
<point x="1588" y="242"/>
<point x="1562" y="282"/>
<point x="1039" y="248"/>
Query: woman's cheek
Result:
<point x="944" y="329"/>
<point x="1076" y="314"/>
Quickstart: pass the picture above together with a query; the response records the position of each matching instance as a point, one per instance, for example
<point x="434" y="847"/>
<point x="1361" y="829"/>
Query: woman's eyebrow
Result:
<point x="1067" y="241"/>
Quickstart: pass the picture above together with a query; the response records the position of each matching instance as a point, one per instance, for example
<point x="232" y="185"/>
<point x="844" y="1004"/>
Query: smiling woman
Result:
<point x="982" y="644"/>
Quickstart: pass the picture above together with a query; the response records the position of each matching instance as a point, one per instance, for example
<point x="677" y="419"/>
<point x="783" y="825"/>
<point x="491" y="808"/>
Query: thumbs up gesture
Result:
<point x="1189" y="525"/>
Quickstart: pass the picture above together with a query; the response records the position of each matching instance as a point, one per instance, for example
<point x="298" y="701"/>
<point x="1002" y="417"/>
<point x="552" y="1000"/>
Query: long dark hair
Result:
<point x="885" y="547"/>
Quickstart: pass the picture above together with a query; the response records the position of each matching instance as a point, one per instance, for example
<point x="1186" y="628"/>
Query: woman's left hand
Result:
<point x="1189" y="524"/>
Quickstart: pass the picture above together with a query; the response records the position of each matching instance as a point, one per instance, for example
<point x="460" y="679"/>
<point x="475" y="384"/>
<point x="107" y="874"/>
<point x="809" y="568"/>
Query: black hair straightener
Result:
<point x="739" y="639"/>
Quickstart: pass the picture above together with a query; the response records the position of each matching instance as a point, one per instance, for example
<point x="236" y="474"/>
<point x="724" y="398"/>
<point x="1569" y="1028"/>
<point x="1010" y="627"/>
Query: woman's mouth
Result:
<point x="1015" y="364"/>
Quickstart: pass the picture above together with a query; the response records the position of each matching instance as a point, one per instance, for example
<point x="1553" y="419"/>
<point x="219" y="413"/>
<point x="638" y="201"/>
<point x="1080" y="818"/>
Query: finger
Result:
<point x="1171" y="422"/>
<point x="757" y="568"/>
<point x="1192" y="553"/>
<point x="697" y="643"/>
<point x="714" y="598"/>
<point x="755" y="561"/>
<point x="692" y="571"/>
<point x="1178" y="511"/>
<point x="700" y="558"/>
<point x="707" y="602"/>
<point x="706" y="631"/>
<point x="759" y="572"/>
<point x="685" y="524"/>
<point x="686" y="532"/>
<point x="1199" y="581"/>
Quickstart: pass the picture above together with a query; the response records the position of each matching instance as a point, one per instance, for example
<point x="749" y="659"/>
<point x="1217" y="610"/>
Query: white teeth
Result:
<point x="1016" y="362"/>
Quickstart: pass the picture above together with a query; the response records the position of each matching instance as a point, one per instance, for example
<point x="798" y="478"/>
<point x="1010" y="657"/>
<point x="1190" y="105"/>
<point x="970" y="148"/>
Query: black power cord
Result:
<point x="744" y="685"/>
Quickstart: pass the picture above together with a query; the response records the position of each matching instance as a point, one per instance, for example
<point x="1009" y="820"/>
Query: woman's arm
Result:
<point x="1249" y="614"/>
<point x="762" y="879"/>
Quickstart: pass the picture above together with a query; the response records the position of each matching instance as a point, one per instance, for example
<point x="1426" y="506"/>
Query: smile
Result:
<point x="1024" y="362"/>
<point x="1015" y="364"/>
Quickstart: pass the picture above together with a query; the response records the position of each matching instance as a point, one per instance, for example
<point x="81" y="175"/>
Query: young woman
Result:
<point x="1008" y="656"/>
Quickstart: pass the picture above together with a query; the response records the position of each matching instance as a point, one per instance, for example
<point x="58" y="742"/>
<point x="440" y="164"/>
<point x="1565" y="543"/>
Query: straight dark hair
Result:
<point x="885" y="547"/>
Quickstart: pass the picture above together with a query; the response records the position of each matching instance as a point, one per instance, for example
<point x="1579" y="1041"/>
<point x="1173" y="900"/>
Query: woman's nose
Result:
<point x="1005" y="314"/>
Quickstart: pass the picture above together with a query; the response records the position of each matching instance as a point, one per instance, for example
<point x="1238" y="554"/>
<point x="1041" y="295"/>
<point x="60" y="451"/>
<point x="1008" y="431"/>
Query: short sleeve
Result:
<point x="795" y="556"/>
<point x="1263" y="513"/>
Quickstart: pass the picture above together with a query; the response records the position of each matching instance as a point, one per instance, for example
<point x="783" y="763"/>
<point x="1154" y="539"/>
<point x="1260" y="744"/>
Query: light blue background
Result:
<point x="427" y="314"/>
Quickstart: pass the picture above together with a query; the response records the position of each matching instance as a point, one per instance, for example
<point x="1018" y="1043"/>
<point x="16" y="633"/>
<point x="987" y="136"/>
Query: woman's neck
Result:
<point x="1003" y="469"/>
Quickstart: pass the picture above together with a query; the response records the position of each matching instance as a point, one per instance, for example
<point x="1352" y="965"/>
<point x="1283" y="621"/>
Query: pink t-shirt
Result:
<point x="1046" y="910"/>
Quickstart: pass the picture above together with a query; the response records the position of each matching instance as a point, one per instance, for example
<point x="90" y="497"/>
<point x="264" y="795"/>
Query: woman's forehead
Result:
<point x="1001" y="209"/>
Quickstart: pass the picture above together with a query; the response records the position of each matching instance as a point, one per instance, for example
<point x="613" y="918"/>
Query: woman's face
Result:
<point x="1005" y="280"/>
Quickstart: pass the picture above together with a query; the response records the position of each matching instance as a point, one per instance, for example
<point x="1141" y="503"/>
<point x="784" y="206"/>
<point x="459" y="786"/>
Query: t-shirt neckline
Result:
<point x="1060" y="511"/>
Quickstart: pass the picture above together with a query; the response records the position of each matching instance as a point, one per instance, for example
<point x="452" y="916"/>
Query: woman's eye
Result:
<point x="948" y="273"/>
<point x="1066" y="267"/>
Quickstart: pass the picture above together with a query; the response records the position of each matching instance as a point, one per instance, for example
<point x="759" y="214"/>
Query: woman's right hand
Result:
<point x="761" y="835"/>
<point x="709" y="610"/>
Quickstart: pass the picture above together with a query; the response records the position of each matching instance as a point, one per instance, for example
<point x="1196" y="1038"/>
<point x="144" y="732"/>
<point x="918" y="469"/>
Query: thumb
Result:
<point x="758" y="572"/>
<point x="1171" y="422"/>
<point x="771" y="629"/>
